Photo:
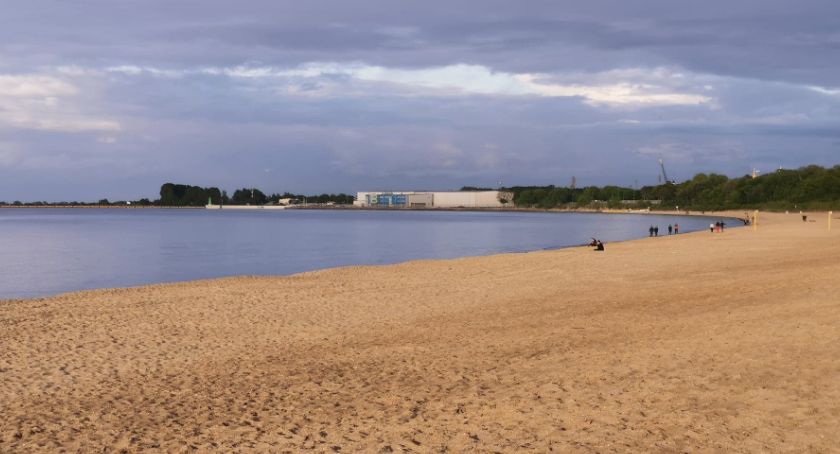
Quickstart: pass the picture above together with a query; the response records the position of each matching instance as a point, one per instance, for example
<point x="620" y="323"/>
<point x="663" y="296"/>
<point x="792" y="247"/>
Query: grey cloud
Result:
<point x="333" y="132"/>
<point x="744" y="39"/>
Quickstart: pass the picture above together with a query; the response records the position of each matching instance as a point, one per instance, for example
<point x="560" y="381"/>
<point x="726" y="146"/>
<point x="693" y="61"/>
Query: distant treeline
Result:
<point x="554" y="197"/>
<point x="183" y="195"/>
<point x="101" y="202"/>
<point x="806" y="188"/>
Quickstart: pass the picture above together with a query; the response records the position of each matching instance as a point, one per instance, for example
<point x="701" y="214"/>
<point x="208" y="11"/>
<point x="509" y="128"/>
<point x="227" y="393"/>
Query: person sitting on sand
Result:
<point x="599" y="246"/>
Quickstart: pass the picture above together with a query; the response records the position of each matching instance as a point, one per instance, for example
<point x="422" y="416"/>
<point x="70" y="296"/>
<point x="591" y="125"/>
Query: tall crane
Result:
<point x="664" y="175"/>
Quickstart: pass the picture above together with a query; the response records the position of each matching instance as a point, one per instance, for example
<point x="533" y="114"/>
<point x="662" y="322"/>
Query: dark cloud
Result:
<point x="763" y="39"/>
<point x="96" y="92"/>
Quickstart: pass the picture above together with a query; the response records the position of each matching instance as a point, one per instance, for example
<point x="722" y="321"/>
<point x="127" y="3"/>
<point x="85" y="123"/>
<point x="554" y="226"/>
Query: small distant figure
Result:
<point x="676" y="229"/>
<point x="650" y="230"/>
<point x="599" y="246"/>
<point x="804" y="218"/>
<point x="722" y="224"/>
<point x="712" y="228"/>
<point x="670" y="229"/>
<point x="656" y="230"/>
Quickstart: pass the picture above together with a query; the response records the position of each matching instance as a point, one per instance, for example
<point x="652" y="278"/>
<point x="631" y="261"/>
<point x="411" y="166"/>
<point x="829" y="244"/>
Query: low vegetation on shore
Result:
<point x="184" y="195"/>
<point x="807" y="188"/>
<point x="181" y="195"/>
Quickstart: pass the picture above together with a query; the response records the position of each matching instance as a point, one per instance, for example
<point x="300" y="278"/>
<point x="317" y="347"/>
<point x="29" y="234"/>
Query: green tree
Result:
<point x="246" y="196"/>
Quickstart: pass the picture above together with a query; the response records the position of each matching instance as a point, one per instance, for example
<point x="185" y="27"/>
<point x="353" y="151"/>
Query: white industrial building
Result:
<point x="453" y="199"/>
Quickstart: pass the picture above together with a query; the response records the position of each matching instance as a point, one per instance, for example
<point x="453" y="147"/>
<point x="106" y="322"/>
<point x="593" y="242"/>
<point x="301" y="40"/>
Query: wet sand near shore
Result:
<point x="692" y="343"/>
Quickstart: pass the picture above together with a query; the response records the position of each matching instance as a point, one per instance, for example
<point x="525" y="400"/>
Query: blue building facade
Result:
<point x="391" y="200"/>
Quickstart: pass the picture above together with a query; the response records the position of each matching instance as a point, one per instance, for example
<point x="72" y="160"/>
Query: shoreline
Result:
<point x="122" y="207"/>
<point x="718" y="215"/>
<point x="724" y="342"/>
<point x="210" y="280"/>
<point x="468" y="209"/>
<point x="726" y="214"/>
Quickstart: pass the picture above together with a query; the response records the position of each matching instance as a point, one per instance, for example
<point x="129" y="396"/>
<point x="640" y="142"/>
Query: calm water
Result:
<point x="49" y="251"/>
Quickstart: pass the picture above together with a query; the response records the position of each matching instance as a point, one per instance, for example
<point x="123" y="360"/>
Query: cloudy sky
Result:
<point x="108" y="98"/>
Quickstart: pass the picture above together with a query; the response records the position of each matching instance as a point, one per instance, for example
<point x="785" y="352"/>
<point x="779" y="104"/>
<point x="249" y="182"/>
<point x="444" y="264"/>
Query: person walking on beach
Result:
<point x="650" y="231"/>
<point x="670" y="229"/>
<point x="712" y="228"/>
<point x="656" y="231"/>
<point x="721" y="225"/>
<point x="676" y="229"/>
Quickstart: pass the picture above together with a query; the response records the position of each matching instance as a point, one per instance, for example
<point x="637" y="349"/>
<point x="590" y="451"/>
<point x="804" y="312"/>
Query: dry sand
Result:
<point x="692" y="343"/>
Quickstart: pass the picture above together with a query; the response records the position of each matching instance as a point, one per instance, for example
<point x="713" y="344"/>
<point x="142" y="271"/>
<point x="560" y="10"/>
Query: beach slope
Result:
<point x="701" y="342"/>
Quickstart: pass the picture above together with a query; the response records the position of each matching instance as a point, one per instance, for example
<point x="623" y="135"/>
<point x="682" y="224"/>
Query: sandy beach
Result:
<point x="692" y="343"/>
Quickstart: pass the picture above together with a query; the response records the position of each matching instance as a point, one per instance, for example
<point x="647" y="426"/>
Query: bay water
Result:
<point x="46" y="251"/>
